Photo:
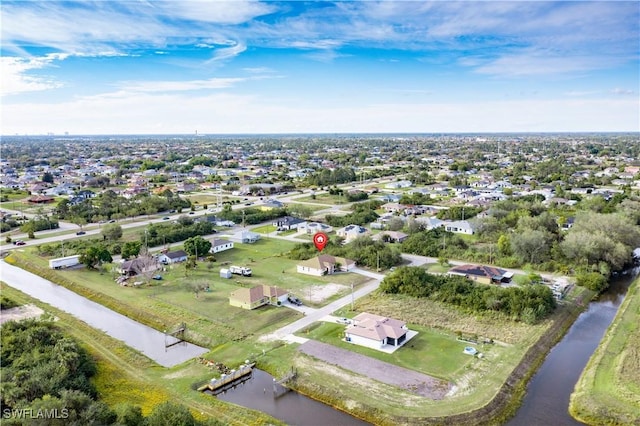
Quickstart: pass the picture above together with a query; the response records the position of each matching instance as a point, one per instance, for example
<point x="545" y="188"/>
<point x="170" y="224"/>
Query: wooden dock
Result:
<point x="226" y="381"/>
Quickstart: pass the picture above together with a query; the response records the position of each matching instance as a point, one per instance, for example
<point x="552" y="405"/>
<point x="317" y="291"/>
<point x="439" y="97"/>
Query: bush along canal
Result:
<point x="548" y="392"/>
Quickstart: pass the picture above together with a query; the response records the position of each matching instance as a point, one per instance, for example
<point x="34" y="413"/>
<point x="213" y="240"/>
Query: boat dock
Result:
<point x="226" y="381"/>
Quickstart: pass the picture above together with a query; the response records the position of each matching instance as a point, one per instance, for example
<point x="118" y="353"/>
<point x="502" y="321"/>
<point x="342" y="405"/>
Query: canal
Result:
<point x="548" y="392"/>
<point x="150" y="342"/>
<point x="262" y="394"/>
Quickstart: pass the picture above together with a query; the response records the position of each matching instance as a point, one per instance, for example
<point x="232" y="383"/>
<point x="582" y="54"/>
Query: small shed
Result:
<point x="225" y="273"/>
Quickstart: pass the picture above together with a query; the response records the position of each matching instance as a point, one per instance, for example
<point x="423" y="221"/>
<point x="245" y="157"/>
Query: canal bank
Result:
<point x="160" y="347"/>
<point x="608" y="391"/>
<point x="548" y="393"/>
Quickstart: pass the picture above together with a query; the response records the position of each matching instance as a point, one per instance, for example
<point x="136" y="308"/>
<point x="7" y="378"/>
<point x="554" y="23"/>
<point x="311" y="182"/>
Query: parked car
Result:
<point x="19" y="243"/>
<point x="345" y="321"/>
<point x="294" y="300"/>
<point x="157" y="277"/>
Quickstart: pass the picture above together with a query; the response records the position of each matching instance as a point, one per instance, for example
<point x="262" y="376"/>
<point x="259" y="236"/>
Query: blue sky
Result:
<point x="176" y="67"/>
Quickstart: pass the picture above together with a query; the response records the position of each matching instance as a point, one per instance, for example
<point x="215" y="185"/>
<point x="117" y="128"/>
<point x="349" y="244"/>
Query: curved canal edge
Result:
<point x="607" y="391"/>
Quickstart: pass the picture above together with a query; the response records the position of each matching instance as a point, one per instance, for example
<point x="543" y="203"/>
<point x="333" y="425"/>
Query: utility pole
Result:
<point x="352" y="297"/>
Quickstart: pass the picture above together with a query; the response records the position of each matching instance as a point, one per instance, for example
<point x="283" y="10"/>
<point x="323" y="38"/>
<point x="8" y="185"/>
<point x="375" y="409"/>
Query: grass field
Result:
<point x="608" y="391"/>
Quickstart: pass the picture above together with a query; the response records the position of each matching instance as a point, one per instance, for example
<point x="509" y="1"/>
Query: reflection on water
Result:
<point x="547" y="399"/>
<point x="260" y="393"/>
<point x="145" y="339"/>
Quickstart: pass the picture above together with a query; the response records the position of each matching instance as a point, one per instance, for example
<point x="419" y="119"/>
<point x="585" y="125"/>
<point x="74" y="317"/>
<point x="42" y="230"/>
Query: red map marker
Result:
<point x="320" y="240"/>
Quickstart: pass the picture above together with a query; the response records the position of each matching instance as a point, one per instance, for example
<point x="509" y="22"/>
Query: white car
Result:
<point x="345" y="321"/>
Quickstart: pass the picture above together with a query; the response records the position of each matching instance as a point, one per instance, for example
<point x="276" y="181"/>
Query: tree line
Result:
<point x="44" y="370"/>
<point x="529" y="303"/>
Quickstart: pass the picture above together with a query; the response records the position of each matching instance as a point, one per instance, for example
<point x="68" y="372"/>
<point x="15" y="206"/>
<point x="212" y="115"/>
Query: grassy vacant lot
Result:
<point x="608" y="392"/>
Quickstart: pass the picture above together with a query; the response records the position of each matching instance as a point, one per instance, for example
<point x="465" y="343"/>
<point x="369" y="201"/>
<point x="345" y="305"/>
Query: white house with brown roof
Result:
<point x="260" y="295"/>
<point x="376" y="332"/>
<point x="325" y="264"/>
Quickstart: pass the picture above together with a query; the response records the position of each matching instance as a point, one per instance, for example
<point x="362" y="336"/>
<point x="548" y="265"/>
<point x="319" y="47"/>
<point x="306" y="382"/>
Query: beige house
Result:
<point x="325" y="264"/>
<point x="260" y="295"/>
<point x="375" y="331"/>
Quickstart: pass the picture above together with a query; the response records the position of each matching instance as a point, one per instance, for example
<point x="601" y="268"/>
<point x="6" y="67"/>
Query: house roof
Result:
<point x="176" y="254"/>
<point x="325" y="261"/>
<point x="219" y="242"/>
<point x="257" y="293"/>
<point x="376" y="327"/>
<point x="478" y="271"/>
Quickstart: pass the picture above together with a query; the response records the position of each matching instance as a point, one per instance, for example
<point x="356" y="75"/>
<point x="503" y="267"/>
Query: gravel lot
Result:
<point x="384" y="372"/>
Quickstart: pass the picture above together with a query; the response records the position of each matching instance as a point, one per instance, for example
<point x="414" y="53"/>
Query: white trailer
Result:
<point x="64" y="262"/>
<point x="240" y="270"/>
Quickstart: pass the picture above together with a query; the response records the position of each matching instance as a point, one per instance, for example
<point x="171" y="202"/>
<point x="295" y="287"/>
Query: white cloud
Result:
<point x="620" y="91"/>
<point x="539" y="62"/>
<point x="177" y="86"/>
<point x="219" y="12"/>
<point x="224" y="53"/>
<point x="16" y="78"/>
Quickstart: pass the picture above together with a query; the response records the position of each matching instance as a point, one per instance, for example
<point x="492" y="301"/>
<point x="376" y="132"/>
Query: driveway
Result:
<point x="412" y="381"/>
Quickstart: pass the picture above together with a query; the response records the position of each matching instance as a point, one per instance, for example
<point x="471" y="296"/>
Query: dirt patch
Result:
<point x="20" y="313"/>
<point x="412" y="381"/>
<point x="320" y="293"/>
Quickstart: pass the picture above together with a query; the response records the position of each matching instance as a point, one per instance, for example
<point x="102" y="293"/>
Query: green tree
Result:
<point x="112" y="231"/>
<point x="172" y="414"/>
<point x="504" y="245"/>
<point x="131" y="249"/>
<point x="47" y="177"/>
<point x="197" y="246"/>
<point x="95" y="255"/>
<point x="129" y="415"/>
<point x="531" y="245"/>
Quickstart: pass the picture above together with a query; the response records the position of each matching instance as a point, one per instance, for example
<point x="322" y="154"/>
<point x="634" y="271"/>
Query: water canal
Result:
<point x="260" y="393"/>
<point x="547" y="399"/>
<point x="150" y="342"/>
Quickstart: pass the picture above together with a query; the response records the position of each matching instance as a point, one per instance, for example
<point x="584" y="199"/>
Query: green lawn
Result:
<point x="430" y="352"/>
<point x="265" y="229"/>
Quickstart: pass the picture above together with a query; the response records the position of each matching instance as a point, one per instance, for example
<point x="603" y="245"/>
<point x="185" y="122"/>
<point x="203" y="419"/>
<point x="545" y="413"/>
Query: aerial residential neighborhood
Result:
<point x="489" y="228"/>
<point x="319" y="213"/>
